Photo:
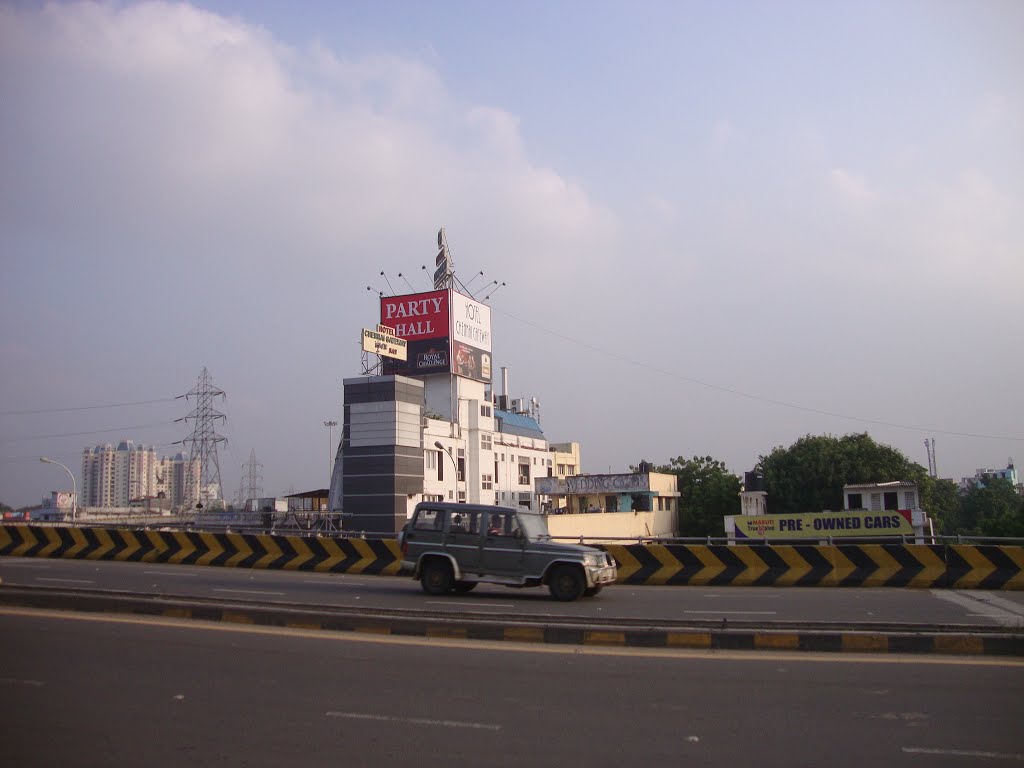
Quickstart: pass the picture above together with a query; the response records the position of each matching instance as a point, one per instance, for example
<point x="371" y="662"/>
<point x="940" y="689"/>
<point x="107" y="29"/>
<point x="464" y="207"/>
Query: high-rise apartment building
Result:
<point x="117" y="477"/>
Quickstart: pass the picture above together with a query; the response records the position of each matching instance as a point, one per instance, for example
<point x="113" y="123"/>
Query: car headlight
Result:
<point x="594" y="561"/>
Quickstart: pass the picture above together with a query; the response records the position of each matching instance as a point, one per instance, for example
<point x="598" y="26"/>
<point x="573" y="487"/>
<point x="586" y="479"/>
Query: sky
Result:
<point x="720" y="226"/>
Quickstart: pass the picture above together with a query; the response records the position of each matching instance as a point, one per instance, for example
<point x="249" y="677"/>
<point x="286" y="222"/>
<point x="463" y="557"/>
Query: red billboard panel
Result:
<point x="423" y="320"/>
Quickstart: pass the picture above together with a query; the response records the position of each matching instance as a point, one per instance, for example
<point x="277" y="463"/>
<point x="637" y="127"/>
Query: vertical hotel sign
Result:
<point x="446" y="332"/>
<point x="471" y="338"/>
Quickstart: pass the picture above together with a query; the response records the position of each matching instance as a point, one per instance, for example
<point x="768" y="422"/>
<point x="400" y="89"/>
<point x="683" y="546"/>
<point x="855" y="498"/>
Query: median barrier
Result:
<point x="956" y="566"/>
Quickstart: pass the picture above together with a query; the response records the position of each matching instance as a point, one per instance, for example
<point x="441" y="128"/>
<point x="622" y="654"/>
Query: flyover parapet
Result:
<point x="947" y="565"/>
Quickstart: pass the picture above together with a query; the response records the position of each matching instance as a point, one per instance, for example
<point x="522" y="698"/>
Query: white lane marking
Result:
<point x="964" y="753"/>
<point x="67" y="581"/>
<point x="25" y="565"/>
<point x="741" y="613"/>
<point x="172" y="573"/>
<point x="415" y="720"/>
<point x="759" y="597"/>
<point x="15" y="681"/>
<point x="474" y="605"/>
<point x="976" y="606"/>
<point x="248" y="592"/>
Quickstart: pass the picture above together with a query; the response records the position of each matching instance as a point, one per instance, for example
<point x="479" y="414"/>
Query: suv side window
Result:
<point x="465" y="522"/>
<point x="429" y="520"/>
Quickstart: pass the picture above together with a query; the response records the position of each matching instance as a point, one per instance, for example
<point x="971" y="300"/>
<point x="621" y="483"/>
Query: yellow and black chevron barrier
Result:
<point x="842" y="565"/>
<point x="960" y="566"/>
<point x="236" y="550"/>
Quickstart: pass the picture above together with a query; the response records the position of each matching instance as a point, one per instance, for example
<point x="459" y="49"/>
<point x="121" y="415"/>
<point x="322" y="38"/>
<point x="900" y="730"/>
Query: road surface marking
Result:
<point x="474" y="605"/>
<point x="172" y="573"/>
<point x="26" y="565"/>
<point x="415" y="721"/>
<point x="68" y="581"/>
<point x="984" y="606"/>
<point x="739" y="613"/>
<point x="964" y="753"/>
<point x="771" y="657"/>
<point x="249" y="592"/>
<point x="14" y="681"/>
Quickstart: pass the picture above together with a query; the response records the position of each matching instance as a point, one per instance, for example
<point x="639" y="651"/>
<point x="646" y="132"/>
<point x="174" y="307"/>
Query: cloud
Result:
<point x="850" y="187"/>
<point x="158" y="118"/>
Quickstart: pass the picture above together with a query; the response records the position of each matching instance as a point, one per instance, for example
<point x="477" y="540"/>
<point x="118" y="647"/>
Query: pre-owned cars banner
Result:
<point x="819" y="525"/>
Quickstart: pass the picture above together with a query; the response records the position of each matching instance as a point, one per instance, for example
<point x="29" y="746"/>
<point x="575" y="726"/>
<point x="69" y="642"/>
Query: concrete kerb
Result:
<point x="570" y="632"/>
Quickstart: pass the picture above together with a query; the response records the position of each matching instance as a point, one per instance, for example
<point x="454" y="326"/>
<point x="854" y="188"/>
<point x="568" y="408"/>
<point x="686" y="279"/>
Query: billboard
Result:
<point x="445" y="331"/>
<point x="820" y="525"/>
<point x="383" y="342"/>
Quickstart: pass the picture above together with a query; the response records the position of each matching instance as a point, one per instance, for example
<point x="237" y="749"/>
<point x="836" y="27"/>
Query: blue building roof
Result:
<point x="517" y="424"/>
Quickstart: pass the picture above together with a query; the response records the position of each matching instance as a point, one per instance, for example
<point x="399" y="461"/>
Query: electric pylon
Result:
<point x="252" y="478"/>
<point x="202" y="478"/>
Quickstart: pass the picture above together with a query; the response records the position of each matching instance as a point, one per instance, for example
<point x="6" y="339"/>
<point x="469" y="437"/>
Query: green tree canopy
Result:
<point x="994" y="508"/>
<point x="707" y="493"/>
<point x="809" y="475"/>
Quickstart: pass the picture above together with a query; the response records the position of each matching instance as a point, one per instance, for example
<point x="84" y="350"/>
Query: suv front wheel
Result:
<point x="436" y="576"/>
<point x="567" y="583"/>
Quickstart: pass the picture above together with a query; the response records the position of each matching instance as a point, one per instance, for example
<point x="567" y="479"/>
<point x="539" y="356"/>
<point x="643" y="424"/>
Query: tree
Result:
<point x="992" y="508"/>
<point x="707" y="493"/>
<point x="809" y="475"/>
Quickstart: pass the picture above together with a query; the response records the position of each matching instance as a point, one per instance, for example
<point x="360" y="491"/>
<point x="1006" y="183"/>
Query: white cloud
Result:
<point x="851" y="187"/>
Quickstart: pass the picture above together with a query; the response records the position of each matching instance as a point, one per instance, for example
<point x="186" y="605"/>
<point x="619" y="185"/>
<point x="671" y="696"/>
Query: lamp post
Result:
<point x="330" y="449"/>
<point x="74" y="487"/>
<point x="437" y="444"/>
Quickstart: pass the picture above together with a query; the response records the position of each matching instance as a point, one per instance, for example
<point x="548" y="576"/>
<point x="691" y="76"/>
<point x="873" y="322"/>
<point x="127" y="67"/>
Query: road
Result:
<point x="760" y="604"/>
<point x="128" y="691"/>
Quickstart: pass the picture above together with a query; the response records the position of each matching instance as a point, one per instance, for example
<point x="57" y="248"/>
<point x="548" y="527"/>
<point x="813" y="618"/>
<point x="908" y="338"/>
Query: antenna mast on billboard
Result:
<point x="444" y="274"/>
<point x="202" y="478"/>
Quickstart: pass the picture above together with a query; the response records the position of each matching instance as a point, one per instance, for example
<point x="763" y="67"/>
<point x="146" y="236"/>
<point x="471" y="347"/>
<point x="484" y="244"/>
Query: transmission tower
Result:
<point x="252" y="478"/>
<point x="202" y="478"/>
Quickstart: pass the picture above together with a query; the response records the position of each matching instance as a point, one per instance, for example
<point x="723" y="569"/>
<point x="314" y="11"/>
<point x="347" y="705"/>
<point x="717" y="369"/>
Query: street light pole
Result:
<point x="74" y="488"/>
<point x="437" y="444"/>
<point x="330" y="450"/>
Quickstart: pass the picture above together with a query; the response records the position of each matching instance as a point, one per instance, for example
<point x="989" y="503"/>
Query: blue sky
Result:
<point x="701" y="211"/>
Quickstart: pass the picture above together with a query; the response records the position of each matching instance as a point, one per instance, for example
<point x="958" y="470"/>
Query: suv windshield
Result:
<point x="535" y="527"/>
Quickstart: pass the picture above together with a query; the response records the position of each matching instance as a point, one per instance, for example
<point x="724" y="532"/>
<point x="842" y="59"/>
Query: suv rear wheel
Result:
<point x="566" y="583"/>
<point x="436" y="576"/>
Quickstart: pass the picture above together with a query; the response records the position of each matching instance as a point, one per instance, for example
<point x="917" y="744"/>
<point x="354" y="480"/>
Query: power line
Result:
<point x="748" y="395"/>
<point x="86" y="407"/>
<point x="89" y="432"/>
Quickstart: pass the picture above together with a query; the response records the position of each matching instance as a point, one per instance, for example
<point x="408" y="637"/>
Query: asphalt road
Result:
<point x="126" y="691"/>
<point x="759" y="604"/>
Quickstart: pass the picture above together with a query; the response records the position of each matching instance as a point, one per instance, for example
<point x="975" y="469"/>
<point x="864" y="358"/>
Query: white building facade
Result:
<point x="118" y="477"/>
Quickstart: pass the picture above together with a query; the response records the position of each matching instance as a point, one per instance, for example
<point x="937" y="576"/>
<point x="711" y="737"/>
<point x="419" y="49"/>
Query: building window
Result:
<point x="431" y="458"/>
<point x="525" y="499"/>
<point x="891" y="500"/>
<point x="876" y="502"/>
<point x="910" y="499"/>
<point x="570" y="469"/>
<point x="486" y="443"/>
<point x="487" y="482"/>
<point x="462" y="497"/>
<point x="524" y="470"/>
<point x="561" y="469"/>
<point x="485" y="410"/>
<point x="853" y="501"/>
